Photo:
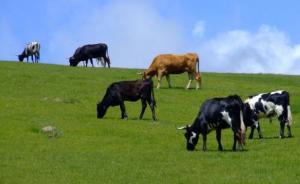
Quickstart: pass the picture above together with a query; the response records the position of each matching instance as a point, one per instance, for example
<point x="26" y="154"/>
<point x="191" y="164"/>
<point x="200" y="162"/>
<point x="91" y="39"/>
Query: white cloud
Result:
<point x="266" y="51"/>
<point x="199" y="29"/>
<point x="135" y="33"/>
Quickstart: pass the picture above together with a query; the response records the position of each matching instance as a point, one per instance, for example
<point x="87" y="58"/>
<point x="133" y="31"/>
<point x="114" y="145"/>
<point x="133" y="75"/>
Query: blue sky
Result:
<point x="230" y="36"/>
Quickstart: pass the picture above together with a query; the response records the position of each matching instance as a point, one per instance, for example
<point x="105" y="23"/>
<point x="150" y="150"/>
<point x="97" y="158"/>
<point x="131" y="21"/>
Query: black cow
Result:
<point x="218" y="114"/>
<point x="268" y="105"/>
<point x="32" y="49"/>
<point x="119" y="92"/>
<point x="88" y="52"/>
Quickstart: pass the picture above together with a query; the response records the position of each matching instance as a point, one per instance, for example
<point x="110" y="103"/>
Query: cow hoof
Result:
<point x="260" y="136"/>
<point x="251" y="137"/>
<point x="220" y="149"/>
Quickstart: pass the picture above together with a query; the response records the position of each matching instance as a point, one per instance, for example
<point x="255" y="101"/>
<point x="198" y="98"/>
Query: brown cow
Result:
<point x="166" y="64"/>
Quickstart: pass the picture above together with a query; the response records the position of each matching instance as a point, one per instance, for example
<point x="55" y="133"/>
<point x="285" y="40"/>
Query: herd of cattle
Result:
<point x="215" y="114"/>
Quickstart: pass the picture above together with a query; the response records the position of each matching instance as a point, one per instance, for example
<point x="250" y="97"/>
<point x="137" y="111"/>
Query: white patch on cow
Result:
<point x="243" y="127"/>
<point x="226" y="118"/>
<point x="276" y="92"/>
<point x="269" y="107"/>
<point x="192" y="137"/>
<point x="253" y="100"/>
<point x="278" y="109"/>
<point x="256" y="124"/>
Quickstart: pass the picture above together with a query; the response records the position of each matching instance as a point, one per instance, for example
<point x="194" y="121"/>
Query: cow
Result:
<point x="217" y="114"/>
<point x="166" y="64"/>
<point x="276" y="103"/>
<point x="88" y="52"/>
<point x="119" y="92"/>
<point x="32" y="49"/>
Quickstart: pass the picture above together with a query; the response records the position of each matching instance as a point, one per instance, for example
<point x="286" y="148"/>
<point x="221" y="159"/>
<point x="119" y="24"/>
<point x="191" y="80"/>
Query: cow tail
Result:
<point x="108" y="56"/>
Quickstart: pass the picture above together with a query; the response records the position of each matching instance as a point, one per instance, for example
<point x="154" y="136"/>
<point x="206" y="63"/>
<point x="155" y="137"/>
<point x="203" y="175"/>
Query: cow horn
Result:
<point x="181" y="128"/>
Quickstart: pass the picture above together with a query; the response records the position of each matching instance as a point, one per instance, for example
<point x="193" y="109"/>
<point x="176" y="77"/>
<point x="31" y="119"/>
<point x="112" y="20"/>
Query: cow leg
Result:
<point x="197" y="83"/>
<point x="106" y="60"/>
<point x="218" y="136"/>
<point x="258" y="131"/>
<point x="86" y="63"/>
<point x="289" y="130"/>
<point x="152" y="107"/>
<point x="38" y="57"/>
<point x="32" y="59"/>
<point x="144" y="105"/>
<point x="168" y="80"/>
<point x="190" y="81"/>
<point x="123" y="111"/>
<point x="92" y="62"/>
<point x="204" y="137"/>
<point x="252" y="131"/>
<point x="159" y="76"/>
<point x="234" y="141"/>
<point x="27" y="58"/>
<point x="282" y="125"/>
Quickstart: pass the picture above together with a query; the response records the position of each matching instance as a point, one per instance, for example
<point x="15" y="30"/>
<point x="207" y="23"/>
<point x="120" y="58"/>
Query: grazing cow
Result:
<point x="88" y="52"/>
<point x="271" y="104"/>
<point x="164" y="65"/>
<point x="32" y="49"/>
<point x="218" y="114"/>
<point x="119" y="92"/>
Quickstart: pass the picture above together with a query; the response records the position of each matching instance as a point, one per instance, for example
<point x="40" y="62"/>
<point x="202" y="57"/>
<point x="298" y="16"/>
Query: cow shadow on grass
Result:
<point x="177" y="88"/>
<point x="131" y="119"/>
<point x="272" y="137"/>
<point x="173" y="87"/>
<point x="223" y="151"/>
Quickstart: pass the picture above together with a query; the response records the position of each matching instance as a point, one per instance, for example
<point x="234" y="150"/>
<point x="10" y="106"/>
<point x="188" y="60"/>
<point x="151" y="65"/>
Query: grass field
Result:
<point x="111" y="150"/>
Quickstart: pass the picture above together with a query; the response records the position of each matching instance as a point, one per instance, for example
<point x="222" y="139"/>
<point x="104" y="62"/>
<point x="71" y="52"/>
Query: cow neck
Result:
<point x="196" y="127"/>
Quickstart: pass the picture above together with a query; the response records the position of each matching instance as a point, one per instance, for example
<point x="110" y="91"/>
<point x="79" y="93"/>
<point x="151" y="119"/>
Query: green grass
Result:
<point x="111" y="150"/>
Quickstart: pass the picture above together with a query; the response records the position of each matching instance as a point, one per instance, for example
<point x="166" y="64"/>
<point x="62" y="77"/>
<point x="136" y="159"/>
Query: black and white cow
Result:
<point x="119" y="92"/>
<point x="32" y="49"/>
<point x="268" y="105"/>
<point x="88" y="52"/>
<point x="217" y="114"/>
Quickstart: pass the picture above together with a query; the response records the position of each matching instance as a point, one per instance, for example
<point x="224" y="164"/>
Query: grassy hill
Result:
<point x="111" y="150"/>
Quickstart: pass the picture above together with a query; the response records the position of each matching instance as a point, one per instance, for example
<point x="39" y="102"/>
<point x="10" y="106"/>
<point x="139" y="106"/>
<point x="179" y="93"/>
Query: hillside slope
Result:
<point x="111" y="150"/>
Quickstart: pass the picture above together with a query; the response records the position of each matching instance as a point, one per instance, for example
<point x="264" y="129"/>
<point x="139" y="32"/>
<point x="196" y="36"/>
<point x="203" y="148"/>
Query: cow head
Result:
<point x="73" y="61"/>
<point x="101" y="110"/>
<point x="191" y="137"/>
<point x="21" y="57"/>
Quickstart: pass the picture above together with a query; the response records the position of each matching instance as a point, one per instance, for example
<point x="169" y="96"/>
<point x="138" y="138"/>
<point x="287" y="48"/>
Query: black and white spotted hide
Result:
<point x="268" y="105"/>
<point x="32" y="50"/>
<point x="217" y="114"/>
